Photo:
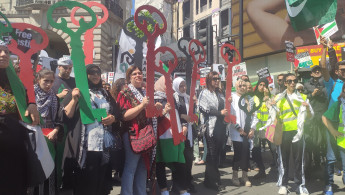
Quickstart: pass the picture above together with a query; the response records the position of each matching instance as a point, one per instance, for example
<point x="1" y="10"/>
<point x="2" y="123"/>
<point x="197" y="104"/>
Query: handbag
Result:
<point x="274" y="133"/>
<point x="202" y="129"/>
<point x="144" y="141"/>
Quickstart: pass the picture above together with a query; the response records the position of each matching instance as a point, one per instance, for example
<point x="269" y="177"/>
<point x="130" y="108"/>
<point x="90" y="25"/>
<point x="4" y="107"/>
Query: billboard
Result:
<point x="266" y="27"/>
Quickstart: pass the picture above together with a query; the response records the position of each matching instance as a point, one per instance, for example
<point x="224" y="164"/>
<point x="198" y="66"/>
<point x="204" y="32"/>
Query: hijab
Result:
<point x="261" y="95"/>
<point x="160" y="84"/>
<point x="89" y="67"/>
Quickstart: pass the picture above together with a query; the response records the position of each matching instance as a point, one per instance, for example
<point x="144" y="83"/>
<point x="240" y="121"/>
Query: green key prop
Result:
<point x="16" y="84"/>
<point x="87" y="113"/>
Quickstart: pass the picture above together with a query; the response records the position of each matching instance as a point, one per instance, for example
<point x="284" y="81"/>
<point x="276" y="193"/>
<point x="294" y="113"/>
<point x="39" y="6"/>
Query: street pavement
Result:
<point x="266" y="186"/>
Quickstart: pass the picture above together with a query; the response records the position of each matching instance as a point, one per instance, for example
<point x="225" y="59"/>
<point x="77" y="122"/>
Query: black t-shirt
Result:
<point x="63" y="84"/>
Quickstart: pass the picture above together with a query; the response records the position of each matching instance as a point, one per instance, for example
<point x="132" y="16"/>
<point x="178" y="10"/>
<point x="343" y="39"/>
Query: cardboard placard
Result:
<point x="290" y="53"/>
<point x="237" y="71"/>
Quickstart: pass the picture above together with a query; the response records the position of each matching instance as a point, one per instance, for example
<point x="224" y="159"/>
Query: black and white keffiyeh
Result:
<point x="136" y="93"/>
<point x="208" y="101"/>
<point x="46" y="101"/>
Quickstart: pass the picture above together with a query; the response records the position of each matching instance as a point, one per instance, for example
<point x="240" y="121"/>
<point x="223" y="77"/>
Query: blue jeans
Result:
<point x="133" y="180"/>
<point x="332" y="152"/>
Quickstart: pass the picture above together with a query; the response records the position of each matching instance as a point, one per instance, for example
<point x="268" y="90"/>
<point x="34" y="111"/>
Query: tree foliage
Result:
<point x="150" y="27"/>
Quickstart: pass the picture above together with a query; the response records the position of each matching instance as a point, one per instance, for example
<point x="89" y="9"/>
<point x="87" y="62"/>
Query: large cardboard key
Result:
<point x="151" y="111"/>
<point x="197" y="59"/>
<point x="26" y="72"/>
<point x="87" y="113"/>
<point x="229" y="118"/>
<point x="88" y="37"/>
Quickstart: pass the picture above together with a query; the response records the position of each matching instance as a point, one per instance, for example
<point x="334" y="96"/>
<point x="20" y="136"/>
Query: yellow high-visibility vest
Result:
<point x="286" y="114"/>
<point x="341" y="140"/>
<point x="262" y="113"/>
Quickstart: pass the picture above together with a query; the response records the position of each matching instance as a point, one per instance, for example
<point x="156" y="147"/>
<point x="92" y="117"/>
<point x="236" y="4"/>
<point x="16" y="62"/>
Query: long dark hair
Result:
<point x="209" y="78"/>
<point x="261" y="95"/>
<point x="117" y="86"/>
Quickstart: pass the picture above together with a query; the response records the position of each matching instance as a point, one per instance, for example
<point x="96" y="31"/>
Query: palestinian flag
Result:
<point x="45" y="166"/>
<point x="326" y="30"/>
<point x="306" y="14"/>
<point x="166" y="150"/>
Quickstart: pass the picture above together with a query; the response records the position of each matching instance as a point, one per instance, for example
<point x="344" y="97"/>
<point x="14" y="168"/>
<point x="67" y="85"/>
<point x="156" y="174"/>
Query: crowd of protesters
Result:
<point x="86" y="156"/>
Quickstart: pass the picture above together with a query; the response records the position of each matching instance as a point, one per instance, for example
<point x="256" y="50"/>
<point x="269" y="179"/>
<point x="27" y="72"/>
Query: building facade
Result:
<point x="105" y="35"/>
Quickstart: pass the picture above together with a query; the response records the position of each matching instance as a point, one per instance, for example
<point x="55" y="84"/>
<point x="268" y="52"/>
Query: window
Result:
<point x="186" y="10"/>
<point x="186" y="31"/>
<point x="225" y="22"/>
<point x="203" y="5"/>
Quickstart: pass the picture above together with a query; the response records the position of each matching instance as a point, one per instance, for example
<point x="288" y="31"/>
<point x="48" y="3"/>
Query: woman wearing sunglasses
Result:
<point x="91" y="144"/>
<point x="212" y="107"/>
<point x="293" y="108"/>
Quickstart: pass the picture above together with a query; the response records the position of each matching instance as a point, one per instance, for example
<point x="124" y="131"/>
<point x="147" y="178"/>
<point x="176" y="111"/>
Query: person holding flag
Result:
<point x="15" y="145"/>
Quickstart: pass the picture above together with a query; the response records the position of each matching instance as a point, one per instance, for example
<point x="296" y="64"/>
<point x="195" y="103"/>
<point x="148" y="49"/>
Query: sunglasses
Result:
<point x="66" y="68"/>
<point x="280" y="80"/>
<point x="290" y="81"/>
<point x="300" y="90"/>
<point x="216" y="79"/>
<point x="342" y="70"/>
<point x="94" y="72"/>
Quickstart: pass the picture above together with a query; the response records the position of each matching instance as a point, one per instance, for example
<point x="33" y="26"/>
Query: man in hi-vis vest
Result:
<point x="293" y="109"/>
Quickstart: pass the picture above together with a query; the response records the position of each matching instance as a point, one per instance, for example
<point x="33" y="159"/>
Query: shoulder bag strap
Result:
<point x="291" y="106"/>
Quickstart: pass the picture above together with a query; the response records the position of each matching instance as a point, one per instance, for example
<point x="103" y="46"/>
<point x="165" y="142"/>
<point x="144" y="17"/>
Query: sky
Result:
<point x="133" y="3"/>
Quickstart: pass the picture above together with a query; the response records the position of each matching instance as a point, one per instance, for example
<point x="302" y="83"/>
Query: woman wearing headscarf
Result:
<point x="167" y="154"/>
<point x="260" y="117"/>
<point x="15" y="145"/>
<point x="241" y="154"/>
<point x="212" y="106"/>
<point x="182" y="105"/>
<point x="91" y="144"/>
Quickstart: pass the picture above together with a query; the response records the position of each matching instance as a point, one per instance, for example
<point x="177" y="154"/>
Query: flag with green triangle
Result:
<point x="306" y="14"/>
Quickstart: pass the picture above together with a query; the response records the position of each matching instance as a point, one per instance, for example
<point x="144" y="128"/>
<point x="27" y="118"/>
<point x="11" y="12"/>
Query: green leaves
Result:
<point x="150" y="26"/>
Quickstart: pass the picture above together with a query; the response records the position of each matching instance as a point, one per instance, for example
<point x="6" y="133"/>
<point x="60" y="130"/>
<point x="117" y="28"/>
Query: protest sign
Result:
<point x="203" y="74"/>
<point x="220" y="68"/>
<point x="326" y="30"/>
<point x="104" y="76"/>
<point x="265" y="73"/>
<point x="315" y="51"/>
<point x="290" y="53"/>
<point x="303" y="60"/>
<point x="110" y="77"/>
<point x="238" y="70"/>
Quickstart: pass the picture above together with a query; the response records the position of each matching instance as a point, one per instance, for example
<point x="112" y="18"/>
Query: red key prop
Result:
<point x="151" y="67"/>
<point x="197" y="61"/>
<point x="229" y="118"/>
<point x="150" y="56"/>
<point x="88" y="37"/>
<point x="177" y="137"/>
<point x="26" y="71"/>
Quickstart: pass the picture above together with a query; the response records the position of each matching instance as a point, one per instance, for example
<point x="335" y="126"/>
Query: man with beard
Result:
<point x="314" y="131"/>
<point x="333" y="90"/>
<point x="281" y="87"/>
<point x="64" y="83"/>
